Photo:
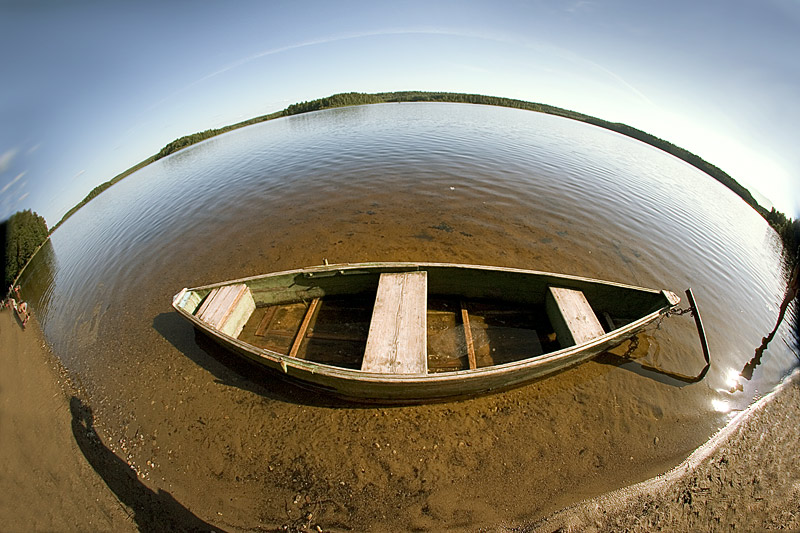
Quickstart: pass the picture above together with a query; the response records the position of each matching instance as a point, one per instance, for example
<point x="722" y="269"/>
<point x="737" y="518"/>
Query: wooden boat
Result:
<point x="413" y="332"/>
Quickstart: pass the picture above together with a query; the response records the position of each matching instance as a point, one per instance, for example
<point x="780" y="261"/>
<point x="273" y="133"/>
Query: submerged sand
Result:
<point x="57" y="473"/>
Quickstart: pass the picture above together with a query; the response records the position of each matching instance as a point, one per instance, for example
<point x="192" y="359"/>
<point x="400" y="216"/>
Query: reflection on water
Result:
<point x="721" y="406"/>
<point x="409" y="182"/>
<point x="38" y="278"/>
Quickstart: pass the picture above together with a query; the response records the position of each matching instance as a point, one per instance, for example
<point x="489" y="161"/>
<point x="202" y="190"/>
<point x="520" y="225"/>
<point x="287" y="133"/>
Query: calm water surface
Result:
<point x="406" y="182"/>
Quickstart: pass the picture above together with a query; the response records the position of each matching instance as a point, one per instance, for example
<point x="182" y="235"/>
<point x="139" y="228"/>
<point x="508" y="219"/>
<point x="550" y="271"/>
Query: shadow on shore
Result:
<point x="152" y="511"/>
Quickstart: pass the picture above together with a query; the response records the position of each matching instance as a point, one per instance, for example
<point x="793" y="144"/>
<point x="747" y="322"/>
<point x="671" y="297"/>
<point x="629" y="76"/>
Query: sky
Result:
<point x="90" y="88"/>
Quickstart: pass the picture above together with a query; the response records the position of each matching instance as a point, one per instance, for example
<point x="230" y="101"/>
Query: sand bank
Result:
<point x="46" y="482"/>
<point x="746" y="478"/>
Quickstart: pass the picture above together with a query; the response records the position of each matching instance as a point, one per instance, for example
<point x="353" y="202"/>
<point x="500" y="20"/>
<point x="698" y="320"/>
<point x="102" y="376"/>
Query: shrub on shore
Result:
<point x="20" y="237"/>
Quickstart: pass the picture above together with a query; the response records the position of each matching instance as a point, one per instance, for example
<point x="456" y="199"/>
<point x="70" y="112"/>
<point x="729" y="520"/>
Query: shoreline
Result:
<point x="54" y="487"/>
<point x="56" y="462"/>
<point x="745" y="477"/>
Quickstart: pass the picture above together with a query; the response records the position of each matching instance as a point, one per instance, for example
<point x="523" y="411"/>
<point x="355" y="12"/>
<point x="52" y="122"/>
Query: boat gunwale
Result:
<point x="407" y="265"/>
<point x="284" y="362"/>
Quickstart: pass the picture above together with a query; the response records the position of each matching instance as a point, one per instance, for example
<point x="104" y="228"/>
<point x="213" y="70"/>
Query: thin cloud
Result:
<point x="7" y="158"/>
<point x="452" y="32"/>
<point x="12" y="182"/>
<point x="314" y="42"/>
<point x="581" y="5"/>
<point x="568" y="55"/>
<point x="471" y="33"/>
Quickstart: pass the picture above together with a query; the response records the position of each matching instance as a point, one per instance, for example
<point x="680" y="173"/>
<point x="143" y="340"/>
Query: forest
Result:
<point x="20" y="236"/>
<point x="787" y="228"/>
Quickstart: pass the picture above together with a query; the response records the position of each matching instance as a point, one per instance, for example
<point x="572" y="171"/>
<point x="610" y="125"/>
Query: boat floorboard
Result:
<point x="500" y="334"/>
<point x="337" y="331"/>
<point x="397" y="331"/>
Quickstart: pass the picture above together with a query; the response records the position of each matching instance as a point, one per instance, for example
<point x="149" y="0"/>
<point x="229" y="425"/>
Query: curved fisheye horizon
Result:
<point x="717" y="82"/>
<point x="453" y="265"/>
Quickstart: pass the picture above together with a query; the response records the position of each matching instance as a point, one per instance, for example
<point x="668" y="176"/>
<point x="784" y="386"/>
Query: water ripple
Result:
<point x="386" y="182"/>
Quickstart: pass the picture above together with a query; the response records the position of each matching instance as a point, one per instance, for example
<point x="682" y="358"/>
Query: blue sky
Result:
<point x="92" y="87"/>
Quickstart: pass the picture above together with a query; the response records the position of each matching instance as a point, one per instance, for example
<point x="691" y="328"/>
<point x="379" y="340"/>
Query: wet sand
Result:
<point x="745" y="478"/>
<point x="57" y="473"/>
<point x="46" y="482"/>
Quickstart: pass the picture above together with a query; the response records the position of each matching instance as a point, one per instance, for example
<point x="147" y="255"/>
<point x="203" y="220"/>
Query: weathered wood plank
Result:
<point x="473" y="364"/>
<point x="233" y="307"/>
<point x="333" y="336"/>
<point x="301" y="333"/>
<point x="190" y="302"/>
<point x="397" y="342"/>
<point x="265" y="321"/>
<point x="220" y="304"/>
<point x="572" y="317"/>
<point x="609" y="322"/>
<point x="227" y="308"/>
<point x="206" y="302"/>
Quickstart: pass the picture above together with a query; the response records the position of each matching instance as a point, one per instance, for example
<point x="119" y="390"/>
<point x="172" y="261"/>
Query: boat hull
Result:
<point x="465" y="281"/>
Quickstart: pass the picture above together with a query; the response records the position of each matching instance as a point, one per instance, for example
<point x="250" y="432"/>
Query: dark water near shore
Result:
<point x="405" y="182"/>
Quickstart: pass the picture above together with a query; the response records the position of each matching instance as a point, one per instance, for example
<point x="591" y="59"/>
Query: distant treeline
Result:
<point x="100" y="188"/>
<point x="20" y="237"/>
<point x="786" y="227"/>
<point x="618" y="127"/>
<point x="337" y="100"/>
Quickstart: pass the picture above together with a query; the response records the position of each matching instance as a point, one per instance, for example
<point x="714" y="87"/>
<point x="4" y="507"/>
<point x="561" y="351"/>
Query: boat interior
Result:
<point x="417" y="321"/>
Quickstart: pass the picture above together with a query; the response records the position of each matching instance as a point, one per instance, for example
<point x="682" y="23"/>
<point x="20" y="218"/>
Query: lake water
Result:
<point x="406" y="182"/>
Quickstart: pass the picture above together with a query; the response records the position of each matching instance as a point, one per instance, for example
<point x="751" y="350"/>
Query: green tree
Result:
<point x="21" y="235"/>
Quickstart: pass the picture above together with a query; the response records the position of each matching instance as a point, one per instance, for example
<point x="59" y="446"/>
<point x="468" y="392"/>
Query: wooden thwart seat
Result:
<point x="227" y="308"/>
<point x="572" y="317"/>
<point x="397" y="340"/>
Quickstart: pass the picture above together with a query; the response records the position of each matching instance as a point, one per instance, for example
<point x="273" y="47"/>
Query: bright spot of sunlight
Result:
<point x="721" y="406"/>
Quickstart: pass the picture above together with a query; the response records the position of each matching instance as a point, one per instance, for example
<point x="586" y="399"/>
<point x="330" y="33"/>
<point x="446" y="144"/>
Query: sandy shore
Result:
<point x="57" y="474"/>
<point x="746" y="478"/>
<point x="46" y="481"/>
